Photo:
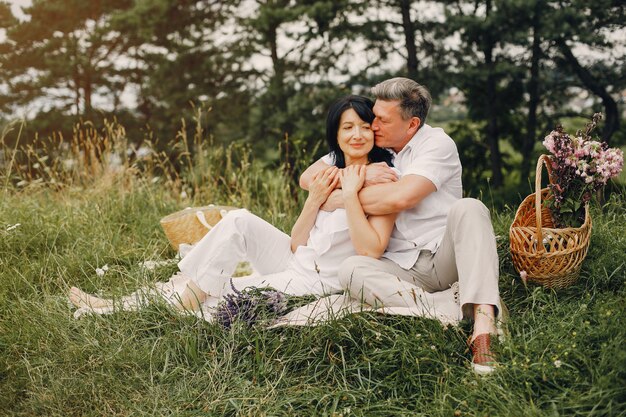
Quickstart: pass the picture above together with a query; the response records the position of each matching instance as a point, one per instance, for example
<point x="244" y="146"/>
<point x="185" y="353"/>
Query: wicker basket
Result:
<point x="191" y="224"/>
<point x="551" y="257"/>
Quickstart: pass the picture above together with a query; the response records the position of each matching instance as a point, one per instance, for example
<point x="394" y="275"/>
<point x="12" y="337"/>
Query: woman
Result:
<point x="306" y="262"/>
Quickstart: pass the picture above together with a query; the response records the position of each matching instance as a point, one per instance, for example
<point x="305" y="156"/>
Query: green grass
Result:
<point x="565" y="354"/>
<point x="155" y="362"/>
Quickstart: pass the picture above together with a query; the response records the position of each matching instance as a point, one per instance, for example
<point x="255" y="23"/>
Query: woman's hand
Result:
<point x="324" y="182"/>
<point x="352" y="179"/>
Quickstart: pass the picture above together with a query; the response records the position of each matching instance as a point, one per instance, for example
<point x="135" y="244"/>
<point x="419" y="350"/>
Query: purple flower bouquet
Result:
<point x="250" y="305"/>
<point x="580" y="167"/>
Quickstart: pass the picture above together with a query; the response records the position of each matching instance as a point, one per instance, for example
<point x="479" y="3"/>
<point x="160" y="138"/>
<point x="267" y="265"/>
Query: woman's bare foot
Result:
<point x="191" y="298"/>
<point x="81" y="299"/>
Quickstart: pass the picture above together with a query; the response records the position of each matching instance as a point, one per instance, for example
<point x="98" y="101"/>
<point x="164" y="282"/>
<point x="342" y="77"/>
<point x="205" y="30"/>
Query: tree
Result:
<point x="589" y="24"/>
<point x="7" y="21"/>
<point x="298" y="39"/>
<point x="486" y="73"/>
<point x="547" y="31"/>
<point x="183" y="59"/>
<point x="406" y="29"/>
<point x="64" y="57"/>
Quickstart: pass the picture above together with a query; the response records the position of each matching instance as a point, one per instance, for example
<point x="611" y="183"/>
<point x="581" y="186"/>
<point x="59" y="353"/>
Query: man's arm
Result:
<point x="307" y="176"/>
<point x="387" y="198"/>
<point x="376" y="173"/>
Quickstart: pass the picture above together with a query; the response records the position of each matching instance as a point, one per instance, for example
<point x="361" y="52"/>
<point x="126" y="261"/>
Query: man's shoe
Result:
<point x="483" y="359"/>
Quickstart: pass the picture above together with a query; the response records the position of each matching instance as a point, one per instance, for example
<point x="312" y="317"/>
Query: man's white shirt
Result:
<point x="432" y="154"/>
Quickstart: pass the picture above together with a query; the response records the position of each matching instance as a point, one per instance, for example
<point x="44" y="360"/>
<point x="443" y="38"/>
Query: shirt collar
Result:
<point x="416" y="138"/>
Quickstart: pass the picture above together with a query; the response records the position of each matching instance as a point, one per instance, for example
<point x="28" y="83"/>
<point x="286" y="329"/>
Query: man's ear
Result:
<point x="414" y="124"/>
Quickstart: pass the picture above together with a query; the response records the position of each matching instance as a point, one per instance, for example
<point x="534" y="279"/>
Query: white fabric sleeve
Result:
<point x="437" y="163"/>
<point x="328" y="159"/>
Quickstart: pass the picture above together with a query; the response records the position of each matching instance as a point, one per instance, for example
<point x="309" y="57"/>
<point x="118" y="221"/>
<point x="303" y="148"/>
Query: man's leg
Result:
<point x="381" y="283"/>
<point x="239" y="236"/>
<point x="468" y="254"/>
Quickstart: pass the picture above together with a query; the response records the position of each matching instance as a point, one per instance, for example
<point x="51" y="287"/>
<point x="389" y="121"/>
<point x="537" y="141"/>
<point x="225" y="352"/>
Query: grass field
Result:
<point x="565" y="355"/>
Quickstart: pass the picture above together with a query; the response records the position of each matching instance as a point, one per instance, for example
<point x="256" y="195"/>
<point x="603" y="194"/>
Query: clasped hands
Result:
<point x="350" y="179"/>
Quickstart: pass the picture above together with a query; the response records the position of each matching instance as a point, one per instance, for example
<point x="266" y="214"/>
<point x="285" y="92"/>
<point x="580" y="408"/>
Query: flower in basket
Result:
<point x="580" y="166"/>
<point x="250" y="305"/>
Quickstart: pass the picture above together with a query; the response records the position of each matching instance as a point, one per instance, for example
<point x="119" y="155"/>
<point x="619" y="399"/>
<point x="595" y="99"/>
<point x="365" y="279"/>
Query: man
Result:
<point x="439" y="237"/>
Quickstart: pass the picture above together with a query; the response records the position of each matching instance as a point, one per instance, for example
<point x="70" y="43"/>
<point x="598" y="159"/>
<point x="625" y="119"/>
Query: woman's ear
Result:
<point x="414" y="124"/>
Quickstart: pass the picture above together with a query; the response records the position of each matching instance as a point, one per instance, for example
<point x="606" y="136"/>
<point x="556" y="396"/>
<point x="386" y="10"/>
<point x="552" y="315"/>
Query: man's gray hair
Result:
<point x="414" y="98"/>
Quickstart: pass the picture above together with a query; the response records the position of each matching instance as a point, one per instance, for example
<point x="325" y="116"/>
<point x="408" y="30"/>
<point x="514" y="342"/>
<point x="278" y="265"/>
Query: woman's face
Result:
<point x="355" y="137"/>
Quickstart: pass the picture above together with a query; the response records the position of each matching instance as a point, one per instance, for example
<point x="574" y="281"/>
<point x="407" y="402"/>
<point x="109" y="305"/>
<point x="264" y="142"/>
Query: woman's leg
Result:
<point x="131" y="302"/>
<point x="289" y="282"/>
<point x="239" y="236"/>
<point x="81" y="299"/>
<point x="191" y="298"/>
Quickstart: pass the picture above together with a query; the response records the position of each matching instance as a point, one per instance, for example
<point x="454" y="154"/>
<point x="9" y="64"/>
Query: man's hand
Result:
<point x="379" y="173"/>
<point x="334" y="201"/>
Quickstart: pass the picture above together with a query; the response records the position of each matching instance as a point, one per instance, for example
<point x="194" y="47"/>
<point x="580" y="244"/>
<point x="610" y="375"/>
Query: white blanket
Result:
<point x="446" y="308"/>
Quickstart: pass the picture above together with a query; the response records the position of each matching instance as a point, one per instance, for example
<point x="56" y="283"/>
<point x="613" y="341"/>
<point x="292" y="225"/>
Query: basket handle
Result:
<point x="543" y="160"/>
<point x="202" y="220"/>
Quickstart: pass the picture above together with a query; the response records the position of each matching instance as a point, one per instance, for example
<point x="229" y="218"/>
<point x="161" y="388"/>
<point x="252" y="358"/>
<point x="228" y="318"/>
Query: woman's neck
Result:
<point x="358" y="161"/>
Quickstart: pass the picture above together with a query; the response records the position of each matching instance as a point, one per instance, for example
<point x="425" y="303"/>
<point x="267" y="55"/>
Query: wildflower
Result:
<point x="101" y="271"/>
<point x="524" y="276"/>
<point x="557" y="363"/>
<point x="13" y="227"/>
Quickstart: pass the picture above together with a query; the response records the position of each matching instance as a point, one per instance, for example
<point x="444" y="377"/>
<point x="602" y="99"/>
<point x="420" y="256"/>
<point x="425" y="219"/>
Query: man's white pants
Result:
<point x="242" y="236"/>
<point x="467" y="254"/>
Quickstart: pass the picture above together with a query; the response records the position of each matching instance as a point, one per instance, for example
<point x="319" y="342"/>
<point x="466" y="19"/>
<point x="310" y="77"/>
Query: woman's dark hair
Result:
<point x="363" y="107"/>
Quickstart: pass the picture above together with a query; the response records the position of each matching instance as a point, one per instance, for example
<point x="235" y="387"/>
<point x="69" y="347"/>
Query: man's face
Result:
<point x="390" y="130"/>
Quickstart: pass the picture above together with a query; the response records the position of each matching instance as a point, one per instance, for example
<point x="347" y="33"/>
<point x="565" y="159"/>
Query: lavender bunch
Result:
<point x="250" y="305"/>
<point x="580" y="167"/>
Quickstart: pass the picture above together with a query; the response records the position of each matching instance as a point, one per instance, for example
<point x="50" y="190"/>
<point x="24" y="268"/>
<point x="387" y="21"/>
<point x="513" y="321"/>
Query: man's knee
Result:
<point x="468" y="207"/>
<point x="350" y="272"/>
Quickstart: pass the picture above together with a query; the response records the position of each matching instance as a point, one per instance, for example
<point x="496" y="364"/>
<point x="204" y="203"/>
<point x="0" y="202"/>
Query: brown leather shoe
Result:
<point x="483" y="359"/>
